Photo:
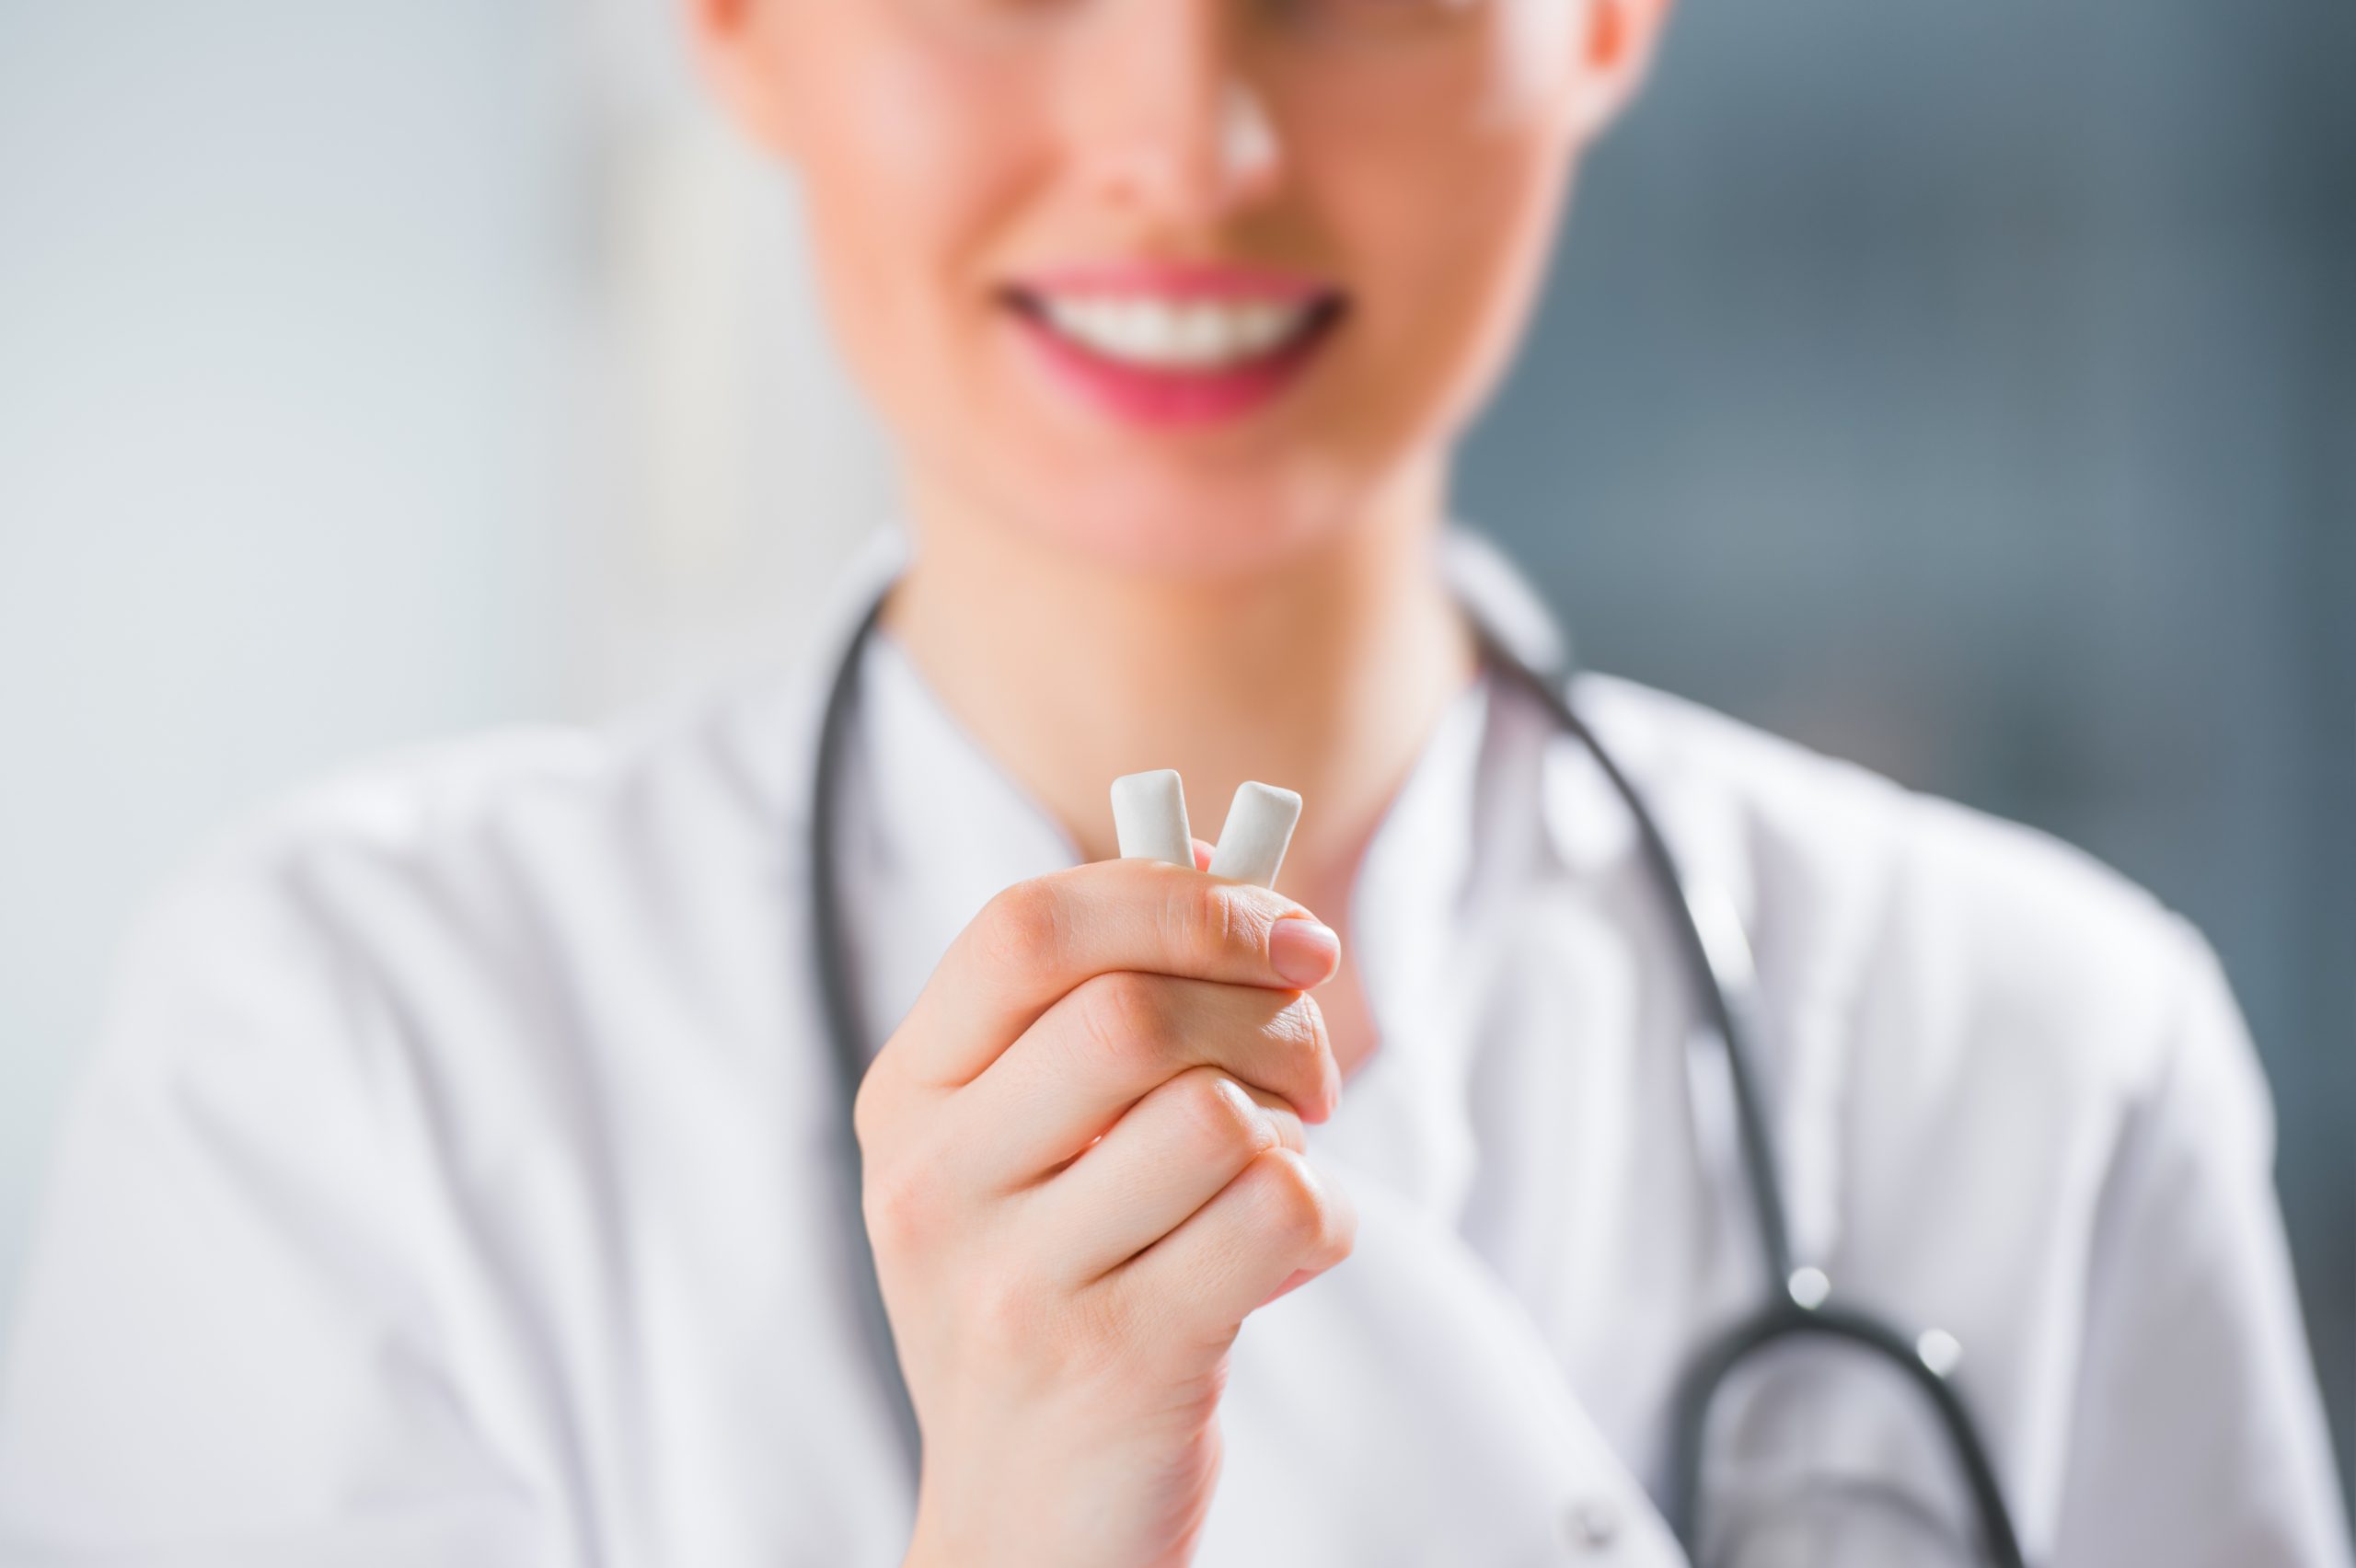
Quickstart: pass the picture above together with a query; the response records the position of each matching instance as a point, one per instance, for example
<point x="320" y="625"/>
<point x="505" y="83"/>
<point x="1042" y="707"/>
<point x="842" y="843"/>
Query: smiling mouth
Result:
<point x="1182" y="336"/>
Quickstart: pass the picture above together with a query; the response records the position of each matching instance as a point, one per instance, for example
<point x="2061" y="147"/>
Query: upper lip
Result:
<point x="1216" y="282"/>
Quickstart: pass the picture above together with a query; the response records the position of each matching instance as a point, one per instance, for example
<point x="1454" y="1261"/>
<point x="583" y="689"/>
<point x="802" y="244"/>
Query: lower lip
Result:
<point x="1145" y="396"/>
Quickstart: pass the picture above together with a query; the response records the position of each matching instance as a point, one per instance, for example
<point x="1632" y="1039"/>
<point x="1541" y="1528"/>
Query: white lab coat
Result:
<point x="457" y="1183"/>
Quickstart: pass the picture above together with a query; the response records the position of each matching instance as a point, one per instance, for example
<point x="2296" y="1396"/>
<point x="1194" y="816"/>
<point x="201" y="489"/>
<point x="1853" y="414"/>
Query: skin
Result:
<point x="1084" y="1148"/>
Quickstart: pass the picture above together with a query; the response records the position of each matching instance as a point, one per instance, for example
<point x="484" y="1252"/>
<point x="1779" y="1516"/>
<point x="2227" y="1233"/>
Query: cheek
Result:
<point x="902" y="205"/>
<point x="1448" y="239"/>
<point x="1445" y="214"/>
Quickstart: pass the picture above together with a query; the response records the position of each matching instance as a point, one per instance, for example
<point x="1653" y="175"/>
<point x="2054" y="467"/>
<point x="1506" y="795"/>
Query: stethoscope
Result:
<point x="1795" y="1304"/>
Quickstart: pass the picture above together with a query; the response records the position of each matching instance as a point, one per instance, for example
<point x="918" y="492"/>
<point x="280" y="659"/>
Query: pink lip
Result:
<point x="1158" y="398"/>
<point x="1178" y="279"/>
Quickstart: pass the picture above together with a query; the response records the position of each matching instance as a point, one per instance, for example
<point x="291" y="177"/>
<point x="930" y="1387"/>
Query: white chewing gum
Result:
<point x="1150" y="818"/>
<point x="1258" y="830"/>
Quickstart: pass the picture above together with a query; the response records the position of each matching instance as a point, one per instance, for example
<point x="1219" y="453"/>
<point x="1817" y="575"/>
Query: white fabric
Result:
<point x="457" y="1184"/>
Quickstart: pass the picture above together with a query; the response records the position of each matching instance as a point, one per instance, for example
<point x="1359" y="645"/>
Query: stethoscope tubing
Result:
<point x="1785" y="1321"/>
<point x="847" y="1030"/>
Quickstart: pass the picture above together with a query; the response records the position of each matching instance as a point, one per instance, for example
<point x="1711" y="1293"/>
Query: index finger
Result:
<point x="1039" y="938"/>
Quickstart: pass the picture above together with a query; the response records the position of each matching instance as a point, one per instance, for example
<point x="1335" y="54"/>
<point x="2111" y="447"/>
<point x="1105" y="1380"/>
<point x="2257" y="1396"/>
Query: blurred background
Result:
<point x="1967" y="390"/>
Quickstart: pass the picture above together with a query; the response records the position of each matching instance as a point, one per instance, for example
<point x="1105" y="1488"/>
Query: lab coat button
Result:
<point x="1591" y="1523"/>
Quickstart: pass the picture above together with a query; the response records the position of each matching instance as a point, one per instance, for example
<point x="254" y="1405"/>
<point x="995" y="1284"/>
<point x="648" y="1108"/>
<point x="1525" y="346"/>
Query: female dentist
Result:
<point x="469" y="1177"/>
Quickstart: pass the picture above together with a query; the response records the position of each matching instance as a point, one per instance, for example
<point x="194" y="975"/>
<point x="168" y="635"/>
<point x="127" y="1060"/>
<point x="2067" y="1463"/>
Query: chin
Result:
<point x="1192" y="525"/>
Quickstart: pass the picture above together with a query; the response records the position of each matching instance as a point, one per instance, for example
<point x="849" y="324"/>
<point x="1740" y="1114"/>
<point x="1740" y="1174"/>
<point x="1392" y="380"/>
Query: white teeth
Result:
<point x="1174" y="334"/>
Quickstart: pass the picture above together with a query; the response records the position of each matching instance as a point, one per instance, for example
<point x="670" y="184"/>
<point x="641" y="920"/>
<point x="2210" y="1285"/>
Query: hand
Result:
<point x="1084" y="1169"/>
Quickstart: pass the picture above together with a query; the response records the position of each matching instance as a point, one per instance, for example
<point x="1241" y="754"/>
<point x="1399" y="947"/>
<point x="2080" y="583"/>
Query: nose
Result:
<point x="1160" y="117"/>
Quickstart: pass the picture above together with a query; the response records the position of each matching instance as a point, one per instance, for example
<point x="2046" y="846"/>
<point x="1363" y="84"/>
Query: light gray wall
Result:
<point x="273" y="478"/>
<point x="367" y="372"/>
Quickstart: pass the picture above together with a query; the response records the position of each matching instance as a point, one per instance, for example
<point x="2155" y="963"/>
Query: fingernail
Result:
<point x="1304" y="951"/>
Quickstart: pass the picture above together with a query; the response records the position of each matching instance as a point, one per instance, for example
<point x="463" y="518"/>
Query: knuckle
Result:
<point x="863" y="1115"/>
<point x="1342" y="1234"/>
<point x="1298" y="1031"/>
<point x="902" y="1203"/>
<point x="867" y="1114"/>
<point x="1222" y="1115"/>
<point x="1205" y="920"/>
<point x="1022" y="926"/>
<point x="1300" y="1209"/>
<point x="1120" y="1012"/>
<point x="1005" y="1308"/>
<point x="1101" y="1329"/>
<point x="1287" y="1125"/>
<point x="1040" y="1334"/>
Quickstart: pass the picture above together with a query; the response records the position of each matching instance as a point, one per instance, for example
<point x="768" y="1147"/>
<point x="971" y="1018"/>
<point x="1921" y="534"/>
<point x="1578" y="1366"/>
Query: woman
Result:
<point x="463" y="1180"/>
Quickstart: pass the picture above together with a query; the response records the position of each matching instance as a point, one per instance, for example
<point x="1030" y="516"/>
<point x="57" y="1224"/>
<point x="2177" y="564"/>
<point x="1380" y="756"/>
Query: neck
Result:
<point x="1324" y="675"/>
